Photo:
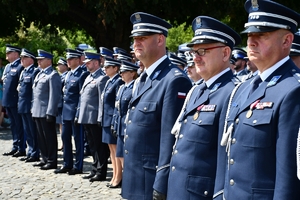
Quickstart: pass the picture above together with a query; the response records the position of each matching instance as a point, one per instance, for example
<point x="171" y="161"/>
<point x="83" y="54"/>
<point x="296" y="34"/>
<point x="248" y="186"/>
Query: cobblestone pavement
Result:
<point x="20" y="180"/>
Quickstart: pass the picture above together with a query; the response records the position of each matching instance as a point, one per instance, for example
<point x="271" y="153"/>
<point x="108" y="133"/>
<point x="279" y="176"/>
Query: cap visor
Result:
<point x="259" y="29"/>
<point x="38" y="58"/>
<point x="142" y="34"/>
<point x="200" y="42"/>
<point x="87" y="60"/>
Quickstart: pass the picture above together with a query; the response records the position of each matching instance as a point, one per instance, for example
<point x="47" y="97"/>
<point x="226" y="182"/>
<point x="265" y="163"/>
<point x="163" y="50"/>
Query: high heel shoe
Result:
<point x="116" y="186"/>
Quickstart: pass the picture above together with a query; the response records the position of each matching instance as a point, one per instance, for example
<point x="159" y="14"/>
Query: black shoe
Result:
<point x="32" y="159"/>
<point x="10" y="153"/>
<point x="97" y="178"/>
<point x="19" y="153"/>
<point x="116" y="186"/>
<point x="48" y="166"/>
<point x="74" y="171"/>
<point x="108" y="184"/>
<point x="24" y="158"/>
<point x="62" y="170"/>
<point x="40" y="164"/>
<point x="91" y="175"/>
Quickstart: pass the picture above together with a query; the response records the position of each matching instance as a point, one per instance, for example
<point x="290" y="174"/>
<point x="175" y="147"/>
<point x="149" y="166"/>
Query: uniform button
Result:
<point x="185" y="121"/>
<point x="173" y="168"/>
<point x="181" y="136"/>
<point x="254" y="121"/>
<point x="145" y="108"/>
<point x="233" y="141"/>
<point x="64" y="101"/>
<point x="133" y="108"/>
<point x="231" y="161"/>
<point x="200" y="121"/>
<point x="205" y="193"/>
<point x="237" y="120"/>
<point x="175" y="152"/>
<point x="125" y="130"/>
<point x="126" y="151"/>
<point x="231" y="182"/>
<point x="129" y="122"/>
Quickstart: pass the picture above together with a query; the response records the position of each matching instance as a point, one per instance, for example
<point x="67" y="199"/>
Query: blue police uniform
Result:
<point x="71" y="95"/>
<point x="24" y="106"/>
<point x="194" y="160"/>
<point x="46" y="97"/>
<point x="122" y="101"/>
<point x="10" y="79"/>
<point x="152" y="112"/>
<point x="108" y="98"/>
<point x="61" y="61"/>
<point x="263" y="126"/>
<point x="89" y="114"/>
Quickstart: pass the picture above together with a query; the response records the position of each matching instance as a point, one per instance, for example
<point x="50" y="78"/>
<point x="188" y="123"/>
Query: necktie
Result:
<point x="202" y="87"/>
<point x="257" y="80"/>
<point x="142" y="81"/>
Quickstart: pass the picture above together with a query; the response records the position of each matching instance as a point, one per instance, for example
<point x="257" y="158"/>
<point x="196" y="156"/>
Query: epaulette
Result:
<point x="235" y="80"/>
<point x="177" y="72"/>
<point x="296" y="74"/>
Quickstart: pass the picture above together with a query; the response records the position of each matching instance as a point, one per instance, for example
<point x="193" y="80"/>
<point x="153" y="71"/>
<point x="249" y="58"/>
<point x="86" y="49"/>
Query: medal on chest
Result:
<point x="196" y="115"/>
<point x="252" y="106"/>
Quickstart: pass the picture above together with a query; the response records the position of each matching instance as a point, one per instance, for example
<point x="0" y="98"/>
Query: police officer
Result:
<point x="62" y="68"/>
<point x="46" y="97"/>
<point x="128" y="73"/>
<point x="156" y="102"/>
<point x="111" y="67"/>
<point x="195" y="77"/>
<point x="89" y="114"/>
<point x="10" y="79"/>
<point x="263" y="120"/>
<point x="240" y="69"/>
<point x="295" y="49"/>
<point x="24" y="105"/>
<point x="71" y="93"/>
<point x="193" y="163"/>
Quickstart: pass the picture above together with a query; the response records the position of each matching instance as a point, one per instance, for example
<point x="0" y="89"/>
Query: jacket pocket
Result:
<point x="202" y="186"/>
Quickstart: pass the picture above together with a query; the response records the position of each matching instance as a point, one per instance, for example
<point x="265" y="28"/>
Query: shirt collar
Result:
<point x="269" y="71"/>
<point x="74" y="70"/>
<point x="210" y="81"/>
<point x="152" y="67"/>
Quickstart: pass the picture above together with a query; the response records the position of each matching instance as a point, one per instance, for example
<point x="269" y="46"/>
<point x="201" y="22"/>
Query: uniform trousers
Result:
<point x="69" y="129"/>
<point x="30" y="135"/>
<point x="99" y="150"/>
<point x="47" y="140"/>
<point x="16" y="126"/>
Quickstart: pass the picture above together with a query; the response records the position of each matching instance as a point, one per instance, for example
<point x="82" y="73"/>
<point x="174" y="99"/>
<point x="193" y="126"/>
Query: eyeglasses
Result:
<point x="202" y="51"/>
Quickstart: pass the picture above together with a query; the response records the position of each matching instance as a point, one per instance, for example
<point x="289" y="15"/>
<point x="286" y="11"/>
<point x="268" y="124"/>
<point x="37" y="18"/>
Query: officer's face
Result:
<point x="73" y="62"/>
<point x="192" y="73"/>
<point x="26" y="61"/>
<point x="147" y="48"/>
<point x="213" y="62"/>
<point x="266" y="49"/>
<point x="44" y="63"/>
<point x="92" y="65"/>
<point x="12" y="56"/>
<point x="111" y="70"/>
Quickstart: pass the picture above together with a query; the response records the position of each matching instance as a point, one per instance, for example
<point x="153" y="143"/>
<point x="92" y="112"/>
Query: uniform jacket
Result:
<point x="108" y="98"/>
<point x="122" y="100"/>
<point x="10" y="79"/>
<point x="261" y="163"/>
<point x="148" y="139"/>
<point x="25" y="89"/>
<point x="46" y="93"/>
<point x="90" y="109"/>
<point x="71" y="93"/>
<point x="194" y="161"/>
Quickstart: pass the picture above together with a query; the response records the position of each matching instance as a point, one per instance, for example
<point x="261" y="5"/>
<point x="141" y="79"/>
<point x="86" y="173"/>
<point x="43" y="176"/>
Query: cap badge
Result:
<point x="138" y="17"/>
<point x="254" y="5"/>
<point x="198" y="22"/>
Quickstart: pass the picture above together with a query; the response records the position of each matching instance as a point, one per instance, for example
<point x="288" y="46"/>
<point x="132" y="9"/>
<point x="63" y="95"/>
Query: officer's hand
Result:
<point x="158" y="196"/>
<point x="50" y="118"/>
<point x="76" y="121"/>
<point x="113" y="131"/>
<point x="99" y="124"/>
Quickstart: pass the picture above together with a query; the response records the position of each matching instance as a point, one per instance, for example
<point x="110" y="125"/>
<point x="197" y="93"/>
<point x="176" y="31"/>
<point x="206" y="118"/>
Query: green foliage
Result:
<point x="179" y="35"/>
